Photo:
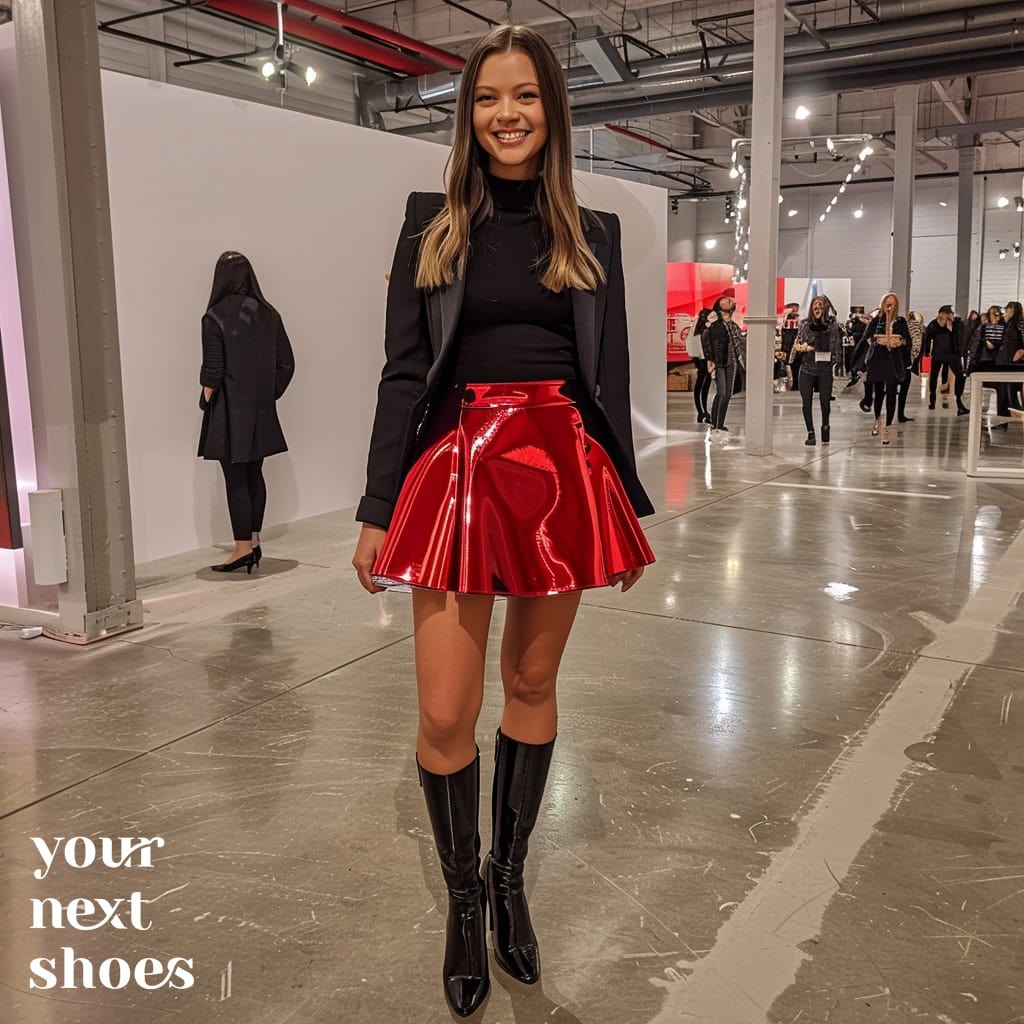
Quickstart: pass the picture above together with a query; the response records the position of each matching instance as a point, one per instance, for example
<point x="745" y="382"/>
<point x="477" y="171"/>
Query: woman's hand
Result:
<point x="208" y="393"/>
<point x="371" y="540"/>
<point x="627" y="579"/>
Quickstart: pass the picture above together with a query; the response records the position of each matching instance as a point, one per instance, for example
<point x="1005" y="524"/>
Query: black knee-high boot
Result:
<point x="520" y="773"/>
<point x="453" y="803"/>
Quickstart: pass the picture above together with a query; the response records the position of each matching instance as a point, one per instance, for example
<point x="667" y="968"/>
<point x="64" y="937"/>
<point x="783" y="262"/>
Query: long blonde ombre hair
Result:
<point x="445" y="243"/>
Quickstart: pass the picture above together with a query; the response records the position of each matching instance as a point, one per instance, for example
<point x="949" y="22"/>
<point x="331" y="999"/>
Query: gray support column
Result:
<point x="903" y="193"/>
<point x="764" y="222"/>
<point x="964" y="229"/>
<point x="78" y="411"/>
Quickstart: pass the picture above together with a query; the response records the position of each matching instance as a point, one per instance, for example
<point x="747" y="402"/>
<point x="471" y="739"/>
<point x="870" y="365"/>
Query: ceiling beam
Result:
<point x="951" y="104"/>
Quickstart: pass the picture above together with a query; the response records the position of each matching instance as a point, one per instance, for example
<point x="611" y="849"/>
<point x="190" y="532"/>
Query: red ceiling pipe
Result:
<point x="448" y="61"/>
<point x="342" y="42"/>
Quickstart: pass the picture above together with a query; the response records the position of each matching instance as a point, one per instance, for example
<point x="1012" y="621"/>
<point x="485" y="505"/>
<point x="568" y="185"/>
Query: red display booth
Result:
<point x="693" y="286"/>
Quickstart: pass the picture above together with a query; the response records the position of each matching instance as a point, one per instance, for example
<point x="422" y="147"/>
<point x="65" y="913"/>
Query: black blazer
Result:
<point x="419" y="338"/>
<point x="247" y="360"/>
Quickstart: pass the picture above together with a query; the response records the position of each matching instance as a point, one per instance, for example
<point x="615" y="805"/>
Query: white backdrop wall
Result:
<point x="860" y="248"/>
<point x="317" y="206"/>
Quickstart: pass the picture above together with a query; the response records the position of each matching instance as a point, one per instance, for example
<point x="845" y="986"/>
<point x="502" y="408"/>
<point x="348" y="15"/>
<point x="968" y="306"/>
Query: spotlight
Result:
<point x="310" y="76"/>
<point x="849" y="178"/>
<point x="780" y="198"/>
<point x="269" y="69"/>
<point x="710" y="243"/>
<point x="859" y="213"/>
<point x="1002" y="201"/>
<point x="822" y="217"/>
<point x="742" y="204"/>
<point x="835" y="199"/>
<point x="1003" y="253"/>
<point x="802" y="113"/>
<point x="842" y="189"/>
<point x="856" y="168"/>
<point x="830" y="144"/>
<point x="733" y="172"/>
<point x="941" y="203"/>
<point x="1019" y="203"/>
<point x="865" y="153"/>
<point x="792" y="213"/>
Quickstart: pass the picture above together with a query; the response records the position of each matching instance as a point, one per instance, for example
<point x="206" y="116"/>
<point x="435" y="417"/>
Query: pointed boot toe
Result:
<point x="466" y="995"/>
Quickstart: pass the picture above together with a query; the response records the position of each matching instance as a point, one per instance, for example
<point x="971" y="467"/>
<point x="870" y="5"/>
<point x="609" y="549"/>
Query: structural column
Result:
<point x="964" y="227"/>
<point x="73" y="351"/>
<point x="764" y="221"/>
<point x="903" y="192"/>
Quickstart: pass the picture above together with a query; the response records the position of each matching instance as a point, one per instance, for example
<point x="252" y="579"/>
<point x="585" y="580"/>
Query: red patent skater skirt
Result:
<point x="510" y="497"/>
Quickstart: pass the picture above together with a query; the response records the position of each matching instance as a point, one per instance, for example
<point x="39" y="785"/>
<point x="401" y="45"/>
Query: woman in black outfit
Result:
<point x="820" y="346"/>
<point x="695" y="350"/>
<point x="1008" y="356"/>
<point x="886" y="360"/>
<point x="247" y="365"/>
<point x="501" y="464"/>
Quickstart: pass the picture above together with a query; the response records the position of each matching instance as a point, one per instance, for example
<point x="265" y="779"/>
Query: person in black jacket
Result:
<point x="1008" y="356"/>
<point x="247" y="365"/>
<point x="944" y="341"/>
<point x="726" y="347"/>
<point x="887" y="360"/>
<point x="501" y="463"/>
<point x="821" y="347"/>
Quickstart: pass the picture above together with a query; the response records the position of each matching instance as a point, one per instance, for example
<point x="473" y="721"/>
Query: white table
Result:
<point x="978" y="380"/>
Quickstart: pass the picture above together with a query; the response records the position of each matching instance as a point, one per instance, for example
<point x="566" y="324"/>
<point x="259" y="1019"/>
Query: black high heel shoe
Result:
<point x="257" y="553"/>
<point x="247" y="561"/>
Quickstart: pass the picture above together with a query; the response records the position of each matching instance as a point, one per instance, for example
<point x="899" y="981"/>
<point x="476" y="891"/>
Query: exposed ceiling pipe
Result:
<point x="896" y="51"/>
<point x="442" y="58"/>
<point x="891" y="10"/>
<point x="806" y="85"/>
<point x="343" y="43"/>
<point x="629" y="133"/>
<point x="438" y="88"/>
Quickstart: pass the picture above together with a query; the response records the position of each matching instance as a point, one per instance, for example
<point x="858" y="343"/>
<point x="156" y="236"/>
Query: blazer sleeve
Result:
<point x="285" y="362"/>
<point x="407" y="359"/>
<point x="211" y="374"/>
<point x="613" y="375"/>
<point x="835" y="336"/>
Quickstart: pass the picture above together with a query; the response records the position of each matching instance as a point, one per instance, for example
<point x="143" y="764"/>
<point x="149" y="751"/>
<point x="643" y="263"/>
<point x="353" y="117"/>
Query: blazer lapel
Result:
<point x="443" y="309"/>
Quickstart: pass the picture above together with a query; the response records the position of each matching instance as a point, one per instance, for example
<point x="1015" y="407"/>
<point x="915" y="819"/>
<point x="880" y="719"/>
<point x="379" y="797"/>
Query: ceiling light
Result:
<point x="310" y="76"/>
<point x="742" y="204"/>
<point x="780" y="198"/>
<point x="802" y="113"/>
<point x="856" y="168"/>
<point x="1019" y="203"/>
<point x="835" y="199"/>
<point x="733" y="172"/>
<point x="859" y="213"/>
<point x="746" y="247"/>
<point x="822" y="217"/>
<point x="792" y="213"/>
<point x="941" y="203"/>
<point x="1002" y="201"/>
<point x="710" y="243"/>
<point x="1002" y="253"/>
<point x="269" y="69"/>
<point x="842" y="189"/>
<point x="865" y="153"/>
<point x="849" y="178"/>
<point x="830" y="144"/>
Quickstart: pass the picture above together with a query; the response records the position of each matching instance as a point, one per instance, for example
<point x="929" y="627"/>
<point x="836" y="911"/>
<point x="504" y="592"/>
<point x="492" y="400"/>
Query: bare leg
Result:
<point x="536" y="632"/>
<point x="451" y="645"/>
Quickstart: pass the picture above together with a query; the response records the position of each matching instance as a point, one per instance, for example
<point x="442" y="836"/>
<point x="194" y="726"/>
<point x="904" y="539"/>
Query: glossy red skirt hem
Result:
<point x="510" y="496"/>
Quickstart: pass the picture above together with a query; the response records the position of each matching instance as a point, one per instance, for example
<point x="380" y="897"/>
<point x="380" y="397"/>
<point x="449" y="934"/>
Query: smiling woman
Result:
<point x="501" y="464"/>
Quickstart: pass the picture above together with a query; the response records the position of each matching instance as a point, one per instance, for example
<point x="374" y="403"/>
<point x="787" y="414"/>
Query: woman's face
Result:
<point x="817" y="309"/>
<point x="994" y="313"/>
<point x="508" y="115"/>
<point x="889" y="306"/>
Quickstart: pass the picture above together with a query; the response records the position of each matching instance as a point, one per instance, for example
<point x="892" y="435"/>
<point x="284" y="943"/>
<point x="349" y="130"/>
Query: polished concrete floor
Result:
<point x="788" y="785"/>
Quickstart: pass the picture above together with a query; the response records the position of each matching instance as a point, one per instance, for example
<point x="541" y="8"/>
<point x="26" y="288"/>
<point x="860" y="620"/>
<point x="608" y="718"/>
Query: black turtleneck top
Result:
<point x="512" y="328"/>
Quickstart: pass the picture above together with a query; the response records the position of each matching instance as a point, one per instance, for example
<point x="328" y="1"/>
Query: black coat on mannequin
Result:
<point x="419" y="339"/>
